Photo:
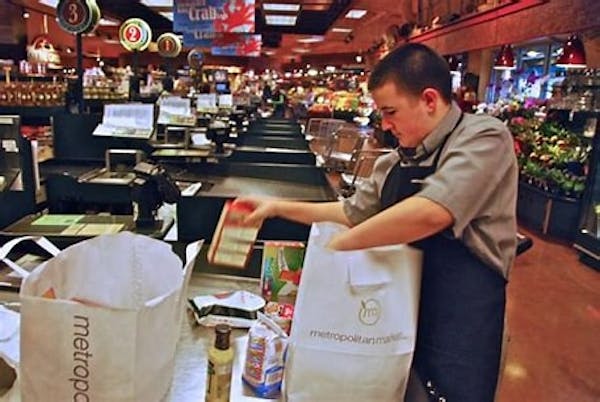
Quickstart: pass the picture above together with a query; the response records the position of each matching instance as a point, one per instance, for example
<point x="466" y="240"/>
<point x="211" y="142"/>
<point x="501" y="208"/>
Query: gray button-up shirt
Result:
<point x="476" y="180"/>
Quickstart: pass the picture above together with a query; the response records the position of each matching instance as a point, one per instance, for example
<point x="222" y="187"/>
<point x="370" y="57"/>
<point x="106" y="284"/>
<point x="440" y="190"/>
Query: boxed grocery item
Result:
<point x="281" y="270"/>
<point x="233" y="240"/>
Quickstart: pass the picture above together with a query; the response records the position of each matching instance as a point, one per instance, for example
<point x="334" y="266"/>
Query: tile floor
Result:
<point x="553" y="314"/>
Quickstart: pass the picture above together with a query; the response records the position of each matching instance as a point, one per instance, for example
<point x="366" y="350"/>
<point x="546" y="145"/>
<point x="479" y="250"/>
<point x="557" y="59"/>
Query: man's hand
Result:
<point x="262" y="208"/>
<point x="297" y="211"/>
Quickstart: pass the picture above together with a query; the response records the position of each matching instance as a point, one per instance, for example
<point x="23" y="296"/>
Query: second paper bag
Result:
<point x="101" y="320"/>
<point x="355" y="322"/>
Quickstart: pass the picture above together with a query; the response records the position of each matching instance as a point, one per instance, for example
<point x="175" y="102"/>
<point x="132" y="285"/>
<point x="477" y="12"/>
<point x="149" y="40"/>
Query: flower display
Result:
<point x="550" y="157"/>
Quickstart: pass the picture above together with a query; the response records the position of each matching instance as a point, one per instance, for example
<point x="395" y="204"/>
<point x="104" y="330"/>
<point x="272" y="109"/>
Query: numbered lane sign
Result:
<point x="77" y="16"/>
<point x="135" y="34"/>
<point x="195" y="58"/>
<point x="169" y="45"/>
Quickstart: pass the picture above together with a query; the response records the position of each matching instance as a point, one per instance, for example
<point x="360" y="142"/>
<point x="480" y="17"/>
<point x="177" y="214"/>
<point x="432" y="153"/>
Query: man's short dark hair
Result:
<point x="413" y="67"/>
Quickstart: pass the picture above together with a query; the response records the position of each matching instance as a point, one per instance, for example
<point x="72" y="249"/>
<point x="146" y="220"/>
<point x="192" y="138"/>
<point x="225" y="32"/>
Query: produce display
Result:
<point x="550" y="157"/>
<point x="345" y="101"/>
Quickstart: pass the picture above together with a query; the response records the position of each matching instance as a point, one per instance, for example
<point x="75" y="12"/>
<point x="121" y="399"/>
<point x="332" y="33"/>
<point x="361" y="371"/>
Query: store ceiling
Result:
<point x="322" y="26"/>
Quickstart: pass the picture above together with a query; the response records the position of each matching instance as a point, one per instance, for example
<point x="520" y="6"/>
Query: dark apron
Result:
<point x="461" y="312"/>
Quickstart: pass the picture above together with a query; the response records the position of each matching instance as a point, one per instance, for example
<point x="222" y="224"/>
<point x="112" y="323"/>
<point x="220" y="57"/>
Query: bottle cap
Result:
<point x="222" y="332"/>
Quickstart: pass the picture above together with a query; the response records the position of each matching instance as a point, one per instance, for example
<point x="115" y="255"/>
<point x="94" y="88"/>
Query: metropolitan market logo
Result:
<point x="369" y="312"/>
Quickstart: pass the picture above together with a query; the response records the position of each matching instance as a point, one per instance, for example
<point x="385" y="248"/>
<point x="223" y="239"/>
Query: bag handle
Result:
<point x="8" y="247"/>
<point x="191" y="252"/>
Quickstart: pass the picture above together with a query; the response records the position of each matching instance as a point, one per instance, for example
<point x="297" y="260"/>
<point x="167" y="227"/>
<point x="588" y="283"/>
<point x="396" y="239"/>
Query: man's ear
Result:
<point x="430" y="97"/>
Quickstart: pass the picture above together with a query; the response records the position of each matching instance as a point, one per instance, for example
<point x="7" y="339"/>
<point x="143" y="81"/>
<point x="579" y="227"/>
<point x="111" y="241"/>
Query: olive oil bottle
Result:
<point x="220" y="360"/>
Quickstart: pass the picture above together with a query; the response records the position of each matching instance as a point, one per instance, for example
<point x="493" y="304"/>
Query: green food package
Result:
<point x="281" y="270"/>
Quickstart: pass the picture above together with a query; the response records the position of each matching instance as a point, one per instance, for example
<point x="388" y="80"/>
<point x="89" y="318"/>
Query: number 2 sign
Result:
<point x="135" y="34"/>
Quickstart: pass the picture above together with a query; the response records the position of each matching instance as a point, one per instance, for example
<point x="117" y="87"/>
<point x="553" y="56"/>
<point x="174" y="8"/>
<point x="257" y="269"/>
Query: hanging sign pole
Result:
<point x="135" y="36"/>
<point x="78" y="17"/>
<point x="169" y="46"/>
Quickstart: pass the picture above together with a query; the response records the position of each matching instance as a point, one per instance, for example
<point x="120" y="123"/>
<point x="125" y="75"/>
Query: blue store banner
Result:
<point x="213" y="16"/>
<point x="237" y="45"/>
<point x="200" y="39"/>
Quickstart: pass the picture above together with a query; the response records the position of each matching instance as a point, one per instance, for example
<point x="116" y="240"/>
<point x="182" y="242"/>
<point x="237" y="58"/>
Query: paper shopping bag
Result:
<point x="100" y="321"/>
<point x="355" y="321"/>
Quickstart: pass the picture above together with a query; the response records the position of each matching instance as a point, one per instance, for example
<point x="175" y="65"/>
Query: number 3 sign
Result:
<point x="135" y="34"/>
<point x="78" y="16"/>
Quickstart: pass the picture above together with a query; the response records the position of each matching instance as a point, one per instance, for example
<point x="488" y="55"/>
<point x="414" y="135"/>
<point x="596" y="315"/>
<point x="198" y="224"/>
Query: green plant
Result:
<point x="550" y="157"/>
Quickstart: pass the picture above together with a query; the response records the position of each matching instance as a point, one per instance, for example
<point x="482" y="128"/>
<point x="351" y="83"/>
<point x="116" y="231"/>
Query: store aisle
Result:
<point x="553" y="308"/>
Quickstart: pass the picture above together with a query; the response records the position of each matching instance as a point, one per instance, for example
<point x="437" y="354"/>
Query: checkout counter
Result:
<point x="17" y="179"/>
<point x="93" y="178"/>
<point x="72" y="189"/>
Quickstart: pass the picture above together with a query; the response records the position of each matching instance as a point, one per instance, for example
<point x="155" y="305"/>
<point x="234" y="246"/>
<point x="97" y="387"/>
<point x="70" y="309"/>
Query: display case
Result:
<point x="587" y="239"/>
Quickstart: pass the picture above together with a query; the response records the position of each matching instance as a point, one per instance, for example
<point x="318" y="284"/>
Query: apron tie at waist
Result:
<point x="432" y="393"/>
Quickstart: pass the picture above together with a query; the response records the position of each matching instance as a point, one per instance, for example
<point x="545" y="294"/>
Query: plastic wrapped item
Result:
<point x="263" y="367"/>
<point x="281" y="314"/>
<point x="237" y="309"/>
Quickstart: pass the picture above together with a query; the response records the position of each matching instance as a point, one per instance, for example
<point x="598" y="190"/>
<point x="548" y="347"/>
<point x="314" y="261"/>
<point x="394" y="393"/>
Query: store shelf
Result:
<point x="579" y="113"/>
<point x="548" y="213"/>
<point x="32" y="111"/>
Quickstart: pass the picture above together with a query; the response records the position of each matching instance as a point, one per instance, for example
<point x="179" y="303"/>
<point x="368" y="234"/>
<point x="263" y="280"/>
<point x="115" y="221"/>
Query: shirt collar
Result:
<point x="435" y="138"/>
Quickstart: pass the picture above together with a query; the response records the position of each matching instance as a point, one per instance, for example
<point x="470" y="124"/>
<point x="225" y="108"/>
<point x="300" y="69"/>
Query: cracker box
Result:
<point x="233" y="240"/>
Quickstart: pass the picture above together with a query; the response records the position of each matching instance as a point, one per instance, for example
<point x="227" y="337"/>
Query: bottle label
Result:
<point x="218" y="382"/>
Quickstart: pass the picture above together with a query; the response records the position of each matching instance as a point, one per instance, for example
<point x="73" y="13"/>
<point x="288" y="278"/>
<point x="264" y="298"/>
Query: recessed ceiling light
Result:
<point x="157" y="3"/>
<point x="50" y="3"/>
<point x="312" y="39"/>
<point x="106" y="23"/>
<point x="342" y="30"/>
<point x="280" y="7"/>
<point x="356" y="14"/>
<point x="167" y="15"/>
<point x="301" y="50"/>
<point x="288" y="20"/>
<point x="533" y="53"/>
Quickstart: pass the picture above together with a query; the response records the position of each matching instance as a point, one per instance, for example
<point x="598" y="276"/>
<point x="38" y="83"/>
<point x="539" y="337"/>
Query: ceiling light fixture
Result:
<point x="49" y="3"/>
<point x="301" y="50"/>
<point x="167" y="14"/>
<point x="287" y="20"/>
<point x="157" y="3"/>
<point x="341" y="30"/>
<point x="573" y="55"/>
<point x="312" y="39"/>
<point x="505" y="59"/>
<point x="356" y="14"/>
<point x="106" y="22"/>
<point x="280" y="7"/>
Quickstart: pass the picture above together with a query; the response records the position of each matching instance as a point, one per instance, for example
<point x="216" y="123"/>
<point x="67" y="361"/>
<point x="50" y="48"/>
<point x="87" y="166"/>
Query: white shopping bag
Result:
<point x="110" y="333"/>
<point x="354" y="327"/>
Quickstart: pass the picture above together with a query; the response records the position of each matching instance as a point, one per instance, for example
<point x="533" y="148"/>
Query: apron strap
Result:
<point x="443" y="144"/>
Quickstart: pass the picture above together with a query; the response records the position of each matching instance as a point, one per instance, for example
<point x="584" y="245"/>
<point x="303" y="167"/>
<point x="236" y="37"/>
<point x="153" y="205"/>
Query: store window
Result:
<point x="534" y="75"/>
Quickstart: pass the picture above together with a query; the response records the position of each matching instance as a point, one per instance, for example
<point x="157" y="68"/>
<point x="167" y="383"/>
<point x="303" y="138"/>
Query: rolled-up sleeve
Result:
<point x="469" y="172"/>
<point x="366" y="200"/>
